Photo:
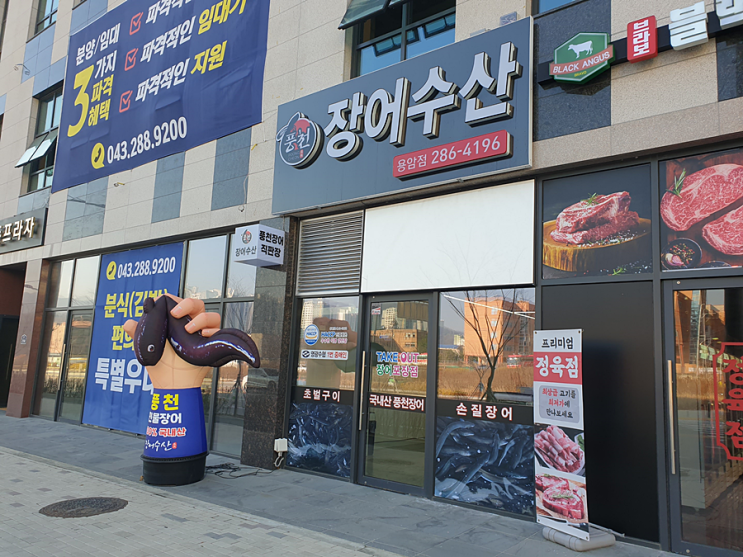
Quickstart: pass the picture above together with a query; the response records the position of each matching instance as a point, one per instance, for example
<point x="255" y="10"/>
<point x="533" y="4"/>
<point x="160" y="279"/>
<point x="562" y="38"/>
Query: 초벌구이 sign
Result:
<point x="156" y="77"/>
<point x="118" y="391"/>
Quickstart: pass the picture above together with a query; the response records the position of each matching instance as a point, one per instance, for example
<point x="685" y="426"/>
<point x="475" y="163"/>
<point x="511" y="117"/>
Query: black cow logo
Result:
<point x="299" y="141"/>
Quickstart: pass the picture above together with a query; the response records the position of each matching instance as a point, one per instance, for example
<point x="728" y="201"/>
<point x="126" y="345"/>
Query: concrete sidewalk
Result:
<point x="366" y="517"/>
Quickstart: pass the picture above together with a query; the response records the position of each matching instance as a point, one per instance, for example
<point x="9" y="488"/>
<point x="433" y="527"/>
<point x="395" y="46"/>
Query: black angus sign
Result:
<point x="458" y="112"/>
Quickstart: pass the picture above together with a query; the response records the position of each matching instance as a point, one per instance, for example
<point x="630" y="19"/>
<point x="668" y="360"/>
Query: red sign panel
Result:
<point x="484" y="147"/>
<point x="728" y="381"/>
<point x="558" y="367"/>
<point x="642" y="39"/>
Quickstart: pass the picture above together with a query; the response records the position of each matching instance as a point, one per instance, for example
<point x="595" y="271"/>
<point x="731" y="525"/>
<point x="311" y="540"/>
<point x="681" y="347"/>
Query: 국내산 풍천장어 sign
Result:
<point x="118" y="392"/>
<point x="156" y="77"/>
<point x="460" y="111"/>
<point x="559" y="446"/>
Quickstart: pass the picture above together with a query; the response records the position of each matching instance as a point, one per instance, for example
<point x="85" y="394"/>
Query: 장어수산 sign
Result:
<point x="559" y="451"/>
<point x="460" y="111"/>
<point x="155" y="77"/>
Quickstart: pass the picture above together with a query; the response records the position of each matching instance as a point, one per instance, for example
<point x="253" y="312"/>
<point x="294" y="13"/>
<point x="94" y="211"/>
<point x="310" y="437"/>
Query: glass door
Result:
<point x="75" y="365"/>
<point x="704" y="378"/>
<point x="396" y="421"/>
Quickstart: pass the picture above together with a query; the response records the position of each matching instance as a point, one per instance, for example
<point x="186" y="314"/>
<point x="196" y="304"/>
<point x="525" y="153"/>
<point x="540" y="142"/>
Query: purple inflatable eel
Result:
<point x="157" y="326"/>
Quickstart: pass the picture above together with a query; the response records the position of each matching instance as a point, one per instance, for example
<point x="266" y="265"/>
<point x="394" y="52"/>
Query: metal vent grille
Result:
<point x="330" y="255"/>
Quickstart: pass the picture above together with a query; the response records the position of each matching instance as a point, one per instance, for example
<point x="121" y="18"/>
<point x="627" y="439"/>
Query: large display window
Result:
<point x="321" y="416"/>
<point x="484" y="443"/>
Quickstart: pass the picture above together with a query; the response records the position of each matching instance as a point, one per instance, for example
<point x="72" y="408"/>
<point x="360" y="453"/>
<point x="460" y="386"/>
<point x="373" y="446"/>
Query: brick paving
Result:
<point x="154" y="523"/>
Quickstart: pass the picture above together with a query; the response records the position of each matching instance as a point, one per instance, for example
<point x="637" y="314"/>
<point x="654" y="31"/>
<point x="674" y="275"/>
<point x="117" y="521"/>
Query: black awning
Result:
<point x="359" y="10"/>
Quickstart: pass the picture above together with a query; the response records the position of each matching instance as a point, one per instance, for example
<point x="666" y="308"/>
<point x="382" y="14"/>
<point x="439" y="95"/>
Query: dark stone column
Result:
<point x="274" y="293"/>
<point x="26" y="355"/>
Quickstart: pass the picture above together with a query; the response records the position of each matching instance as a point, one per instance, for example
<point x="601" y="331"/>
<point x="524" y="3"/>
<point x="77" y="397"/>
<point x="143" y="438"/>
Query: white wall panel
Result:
<point x="476" y="238"/>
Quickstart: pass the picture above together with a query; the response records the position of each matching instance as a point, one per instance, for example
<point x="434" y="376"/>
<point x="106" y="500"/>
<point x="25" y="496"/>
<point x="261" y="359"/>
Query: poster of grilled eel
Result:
<point x="559" y="440"/>
<point x="597" y="224"/>
<point x="701" y="209"/>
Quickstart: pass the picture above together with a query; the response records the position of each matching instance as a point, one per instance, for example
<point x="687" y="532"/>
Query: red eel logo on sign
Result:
<point x="728" y="371"/>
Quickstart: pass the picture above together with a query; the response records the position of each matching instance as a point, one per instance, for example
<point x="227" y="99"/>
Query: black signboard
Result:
<point x="457" y="112"/>
<point x="22" y="231"/>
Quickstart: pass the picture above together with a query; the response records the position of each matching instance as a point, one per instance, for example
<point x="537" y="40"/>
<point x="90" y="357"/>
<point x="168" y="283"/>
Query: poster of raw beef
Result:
<point x="597" y="224"/>
<point x="559" y="440"/>
<point x="701" y="209"/>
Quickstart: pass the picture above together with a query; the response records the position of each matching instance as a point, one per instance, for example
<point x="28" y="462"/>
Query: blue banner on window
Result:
<point x="156" y="77"/>
<point x="118" y="392"/>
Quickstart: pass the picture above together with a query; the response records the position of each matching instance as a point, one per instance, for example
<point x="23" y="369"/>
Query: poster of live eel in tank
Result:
<point x="701" y="209"/>
<point x="597" y="224"/>
<point x="559" y="440"/>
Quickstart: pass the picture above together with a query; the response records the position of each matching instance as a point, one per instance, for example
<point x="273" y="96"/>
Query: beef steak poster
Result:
<point x="701" y="209"/>
<point x="597" y="224"/>
<point x="559" y="453"/>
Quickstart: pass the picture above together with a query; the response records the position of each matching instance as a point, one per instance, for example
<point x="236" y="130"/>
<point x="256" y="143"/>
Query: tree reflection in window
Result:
<point x="485" y="343"/>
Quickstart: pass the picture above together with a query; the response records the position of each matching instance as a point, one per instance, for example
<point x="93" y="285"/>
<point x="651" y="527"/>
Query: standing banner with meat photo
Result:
<point x="701" y="209"/>
<point x="559" y="451"/>
<point x="597" y="224"/>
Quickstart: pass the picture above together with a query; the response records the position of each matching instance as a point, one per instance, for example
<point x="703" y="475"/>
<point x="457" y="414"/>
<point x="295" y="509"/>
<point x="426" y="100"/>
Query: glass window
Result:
<point x="50" y="111"/>
<point x="4" y="20"/>
<point x="86" y="280"/>
<point x="205" y="268"/>
<point x="235" y="382"/>
<point x="60" y="282"/>
<point x="50" y="365"/>
<point x="546" y="5"/>
<point x="709" y="371"/>
<point x="47" y="14"/>
<point x="42" y="167"/>
<point x="485" y="367"/>
<point x="404" y="31"/>
<point x="485" y="343"/>
<point x="326" y="322"/>
<point x="240" y="278"/>
<point x="206" y="384"/>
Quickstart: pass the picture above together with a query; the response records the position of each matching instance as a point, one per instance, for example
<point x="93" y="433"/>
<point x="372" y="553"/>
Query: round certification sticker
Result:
<point x="311" y="334"/>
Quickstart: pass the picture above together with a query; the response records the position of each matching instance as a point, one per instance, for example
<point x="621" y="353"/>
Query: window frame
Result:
<point x="406" y="25"/>
<point x="44" y="164"/>
<point x="43" y="23"/>
<point x="3" y="22"/>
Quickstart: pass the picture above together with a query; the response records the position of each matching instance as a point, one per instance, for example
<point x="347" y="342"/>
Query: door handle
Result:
<point x="671" y="426"/>
<point x="61" y="366"/>
<point x="361" y="399"/>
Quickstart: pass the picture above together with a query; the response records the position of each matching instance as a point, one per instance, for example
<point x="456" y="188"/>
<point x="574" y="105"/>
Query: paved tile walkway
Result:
<point x="358" y="519"/>
<point x="149" y="525"/>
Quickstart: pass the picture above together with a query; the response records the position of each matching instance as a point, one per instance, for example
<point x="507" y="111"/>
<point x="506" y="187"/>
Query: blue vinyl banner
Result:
<point x="118" y="392"/>
<point x="156" y="77"/>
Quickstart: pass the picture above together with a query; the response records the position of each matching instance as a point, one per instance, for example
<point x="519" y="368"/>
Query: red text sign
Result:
<point x="484" y="147"/>
<point x="642" y="39"/>
<point x="728" y="383"/>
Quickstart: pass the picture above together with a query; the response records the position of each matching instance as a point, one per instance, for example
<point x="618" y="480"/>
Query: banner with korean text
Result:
<point x="118" y="391"/>
<point x="559" y="445"/>
<point x="155" y="77"/>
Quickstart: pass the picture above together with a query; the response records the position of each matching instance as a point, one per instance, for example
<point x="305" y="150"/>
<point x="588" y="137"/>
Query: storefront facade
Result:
<point x="426" y="238"/>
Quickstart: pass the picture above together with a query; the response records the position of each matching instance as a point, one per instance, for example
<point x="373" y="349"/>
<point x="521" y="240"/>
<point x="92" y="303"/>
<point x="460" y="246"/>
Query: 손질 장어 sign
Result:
<point x="559" y="451"/>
